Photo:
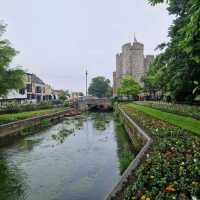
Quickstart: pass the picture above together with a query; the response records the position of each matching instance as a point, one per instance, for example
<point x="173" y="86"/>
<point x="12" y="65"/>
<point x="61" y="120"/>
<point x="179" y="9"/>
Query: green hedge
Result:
<point x="16" y="108"/>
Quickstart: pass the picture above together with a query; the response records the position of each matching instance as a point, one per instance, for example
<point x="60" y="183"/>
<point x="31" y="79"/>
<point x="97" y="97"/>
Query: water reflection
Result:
<point x="12" y="182"/>
<point x="62" y="134"/>
<point x="101" y="120"/>
<point x="28" y="144"/>
<point x="70" y="160"/>
<point x="125" y="148"/>
<point x="69" y="127"/>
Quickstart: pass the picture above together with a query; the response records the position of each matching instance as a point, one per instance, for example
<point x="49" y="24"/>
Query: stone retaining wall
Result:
<point x="10" y="131"/>
<point x="138" y="137"/>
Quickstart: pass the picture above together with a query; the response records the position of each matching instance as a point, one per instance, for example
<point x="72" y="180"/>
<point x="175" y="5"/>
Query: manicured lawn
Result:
<point x="187" y="123"/>
<point x="177" y="109"/>
<point x="6" y="118"/>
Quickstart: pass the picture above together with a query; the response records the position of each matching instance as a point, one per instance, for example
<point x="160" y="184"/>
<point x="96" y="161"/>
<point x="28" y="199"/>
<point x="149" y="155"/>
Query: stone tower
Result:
<point x="131" y="61"/>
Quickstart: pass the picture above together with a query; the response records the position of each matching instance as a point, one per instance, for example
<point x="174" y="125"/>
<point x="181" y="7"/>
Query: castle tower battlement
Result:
<point x="131" y="61"/>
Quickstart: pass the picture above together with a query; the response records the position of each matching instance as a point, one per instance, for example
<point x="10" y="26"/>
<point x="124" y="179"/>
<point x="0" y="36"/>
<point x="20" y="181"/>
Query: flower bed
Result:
<point x="172" y="167"/>
<point x="185" y="110"/>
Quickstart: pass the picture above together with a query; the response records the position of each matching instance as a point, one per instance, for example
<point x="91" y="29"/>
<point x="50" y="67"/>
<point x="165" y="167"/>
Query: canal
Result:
<point x="81" y="158"/>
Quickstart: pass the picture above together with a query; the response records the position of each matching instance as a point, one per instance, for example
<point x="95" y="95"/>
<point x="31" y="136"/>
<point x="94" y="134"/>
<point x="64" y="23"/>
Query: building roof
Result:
<point x="36" y="79"/>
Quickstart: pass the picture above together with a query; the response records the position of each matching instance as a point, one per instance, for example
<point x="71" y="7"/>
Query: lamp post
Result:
<point x="86" y="74"/>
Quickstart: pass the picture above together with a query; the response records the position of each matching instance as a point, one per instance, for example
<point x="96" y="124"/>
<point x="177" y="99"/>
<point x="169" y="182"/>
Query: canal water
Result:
<point x="81" y="158"/>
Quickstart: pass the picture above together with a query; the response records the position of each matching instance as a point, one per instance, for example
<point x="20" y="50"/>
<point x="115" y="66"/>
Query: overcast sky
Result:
<point x="59" y="39"/>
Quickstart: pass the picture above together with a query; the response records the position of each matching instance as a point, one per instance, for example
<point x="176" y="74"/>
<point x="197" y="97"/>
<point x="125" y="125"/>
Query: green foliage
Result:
<point x="129" y="87"/>
<point x="10" y="78"/>
<point x="11" y="108"/>
<point x="66" y="104"/>
<point x="45" y="123"/>
<point x="15" y="107"/>
<point x="62" y="135"/>
<point x="125" y="147"/>
<point x="31" y="128"/>
<point x="177" y="67"/>
<point x="28" y="130"/>
<point x="12" y="184"/>
<point x="152" y="80"/>
<point x="62" y="95"/>
<point x="100" y="87"/>
<point x="43" y="105"/>
<point x="196" y="90"/>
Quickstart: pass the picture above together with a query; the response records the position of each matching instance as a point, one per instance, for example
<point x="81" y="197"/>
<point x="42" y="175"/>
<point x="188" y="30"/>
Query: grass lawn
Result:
<point x="6" y="118"/>
<point x="186" y="123"/>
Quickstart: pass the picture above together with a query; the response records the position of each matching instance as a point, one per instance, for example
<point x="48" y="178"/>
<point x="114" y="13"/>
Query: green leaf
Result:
<point x="197" y="98"/>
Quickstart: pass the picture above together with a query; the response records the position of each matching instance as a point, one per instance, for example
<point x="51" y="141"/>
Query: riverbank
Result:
<point x="13" y="117"/>
<point x="171" y="167"/>
<point x="69" y="160"/>
<point x="141" y="142"/>
<point x="33" y="122"/>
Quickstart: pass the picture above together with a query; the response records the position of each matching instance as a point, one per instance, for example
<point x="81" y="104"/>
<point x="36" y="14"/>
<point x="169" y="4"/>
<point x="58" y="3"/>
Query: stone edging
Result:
<point x="136" y="162"/>
<point x="15" y="129"/>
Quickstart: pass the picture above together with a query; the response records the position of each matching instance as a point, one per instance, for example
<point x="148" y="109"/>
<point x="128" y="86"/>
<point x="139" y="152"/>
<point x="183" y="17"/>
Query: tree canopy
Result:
<point x="10" y="78"/>
<point x="100" y="87"/>
<point x="128" y="87"/>
<point x="178" y="66"/>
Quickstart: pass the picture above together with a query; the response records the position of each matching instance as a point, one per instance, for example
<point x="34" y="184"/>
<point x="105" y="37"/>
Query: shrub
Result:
<point x="66" y="104"/>
<point x="44" y="105"/>
<point x="57" y="102"/>
<point x="11" y="108"/>
<point x="15" y="108"/>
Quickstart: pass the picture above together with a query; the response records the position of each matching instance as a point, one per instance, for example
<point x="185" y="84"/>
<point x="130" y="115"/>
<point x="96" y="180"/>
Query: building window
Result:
<point x="29" y="96"/>
<point x="38" y="89"/>
<point x="29" y="78"/>
<point x="29" y="87"/>
<point x="22" y="91"/>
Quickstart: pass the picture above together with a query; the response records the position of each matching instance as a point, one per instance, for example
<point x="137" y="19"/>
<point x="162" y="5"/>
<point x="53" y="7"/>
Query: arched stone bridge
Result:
<point x="94" y="103"/>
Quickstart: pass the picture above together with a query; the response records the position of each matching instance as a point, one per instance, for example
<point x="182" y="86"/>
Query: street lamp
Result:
<point x="86" y="74"/>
